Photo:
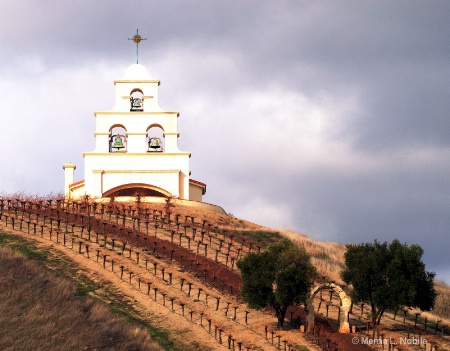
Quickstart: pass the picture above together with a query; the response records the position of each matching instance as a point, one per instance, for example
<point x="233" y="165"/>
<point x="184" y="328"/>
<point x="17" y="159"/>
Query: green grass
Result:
<point x="262" y="237"/>
<point x="85" y="286"/>
<point x="22" y="246"/>
<point x="162" y="337"/>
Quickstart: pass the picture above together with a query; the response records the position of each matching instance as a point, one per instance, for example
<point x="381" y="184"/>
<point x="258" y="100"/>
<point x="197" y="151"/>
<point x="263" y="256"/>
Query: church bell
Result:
<point x="118" y="143"/>
<point x="137" y="103"/>
<point x="154" y="143"/>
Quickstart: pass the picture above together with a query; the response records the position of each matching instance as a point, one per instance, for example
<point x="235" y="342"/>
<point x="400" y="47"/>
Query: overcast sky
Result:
<point x="328" y="118"/>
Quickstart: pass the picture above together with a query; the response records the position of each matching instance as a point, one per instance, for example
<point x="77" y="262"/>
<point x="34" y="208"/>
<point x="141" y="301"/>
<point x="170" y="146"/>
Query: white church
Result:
<point x="136" y="147"/>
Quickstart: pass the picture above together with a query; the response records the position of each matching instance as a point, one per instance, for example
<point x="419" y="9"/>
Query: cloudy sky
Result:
<point x="328" y="118"/>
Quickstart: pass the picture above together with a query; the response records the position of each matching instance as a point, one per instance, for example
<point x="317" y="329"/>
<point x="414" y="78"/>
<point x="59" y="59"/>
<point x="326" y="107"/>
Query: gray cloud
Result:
<point x="330" y="118"/>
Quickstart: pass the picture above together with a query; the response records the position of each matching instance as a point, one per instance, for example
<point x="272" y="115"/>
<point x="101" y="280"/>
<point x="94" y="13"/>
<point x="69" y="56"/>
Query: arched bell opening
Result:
<point x="117" y="139"/>
<point x="136" y="100"/>
<point x="155" y="138"/>
<point x="136" y="189"/>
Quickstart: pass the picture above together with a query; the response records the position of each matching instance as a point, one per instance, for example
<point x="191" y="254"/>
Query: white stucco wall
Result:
<point x="168" y="170"/>
<point x="195" y="192"/>
<point x="104" y="171"/>
<point x="69" y="170"/>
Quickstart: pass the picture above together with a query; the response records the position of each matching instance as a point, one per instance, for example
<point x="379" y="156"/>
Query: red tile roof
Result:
<point x="197" y="183"/>
<point x="76" y="183"/>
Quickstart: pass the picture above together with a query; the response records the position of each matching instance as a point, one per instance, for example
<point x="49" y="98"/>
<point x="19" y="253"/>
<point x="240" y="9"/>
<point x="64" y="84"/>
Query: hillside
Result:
<point x="40" y="310"/>
<point x="176" y="266"/>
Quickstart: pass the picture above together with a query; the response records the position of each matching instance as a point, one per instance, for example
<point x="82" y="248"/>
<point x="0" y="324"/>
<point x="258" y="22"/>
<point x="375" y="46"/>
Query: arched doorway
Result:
<point x="345" y="303"/>
<point x="136" y="188"/>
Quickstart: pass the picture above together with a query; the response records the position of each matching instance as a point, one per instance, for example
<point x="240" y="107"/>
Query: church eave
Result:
<point x="135" y="113"/>
<point x="148" y="154"/>
<point x="137" y="81"/>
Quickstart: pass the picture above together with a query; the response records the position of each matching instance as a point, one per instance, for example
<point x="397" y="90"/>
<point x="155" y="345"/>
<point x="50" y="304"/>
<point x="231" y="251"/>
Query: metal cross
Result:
<point x="137" y="39"/>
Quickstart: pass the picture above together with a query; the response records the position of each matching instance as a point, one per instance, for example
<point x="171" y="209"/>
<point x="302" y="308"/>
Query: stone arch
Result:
<point x="136" y="90"/>
<point x="131" y="188"/>
<point x="157" y="125"/>
<point x="344" y="326"/>
<point x="117" y="126"/>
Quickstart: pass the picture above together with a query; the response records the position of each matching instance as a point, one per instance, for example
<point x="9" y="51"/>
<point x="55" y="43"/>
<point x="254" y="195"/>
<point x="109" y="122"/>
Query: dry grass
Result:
<point x="327" y="257"/>
<point x="41" y="311"/>
<point x="442" y="306"/>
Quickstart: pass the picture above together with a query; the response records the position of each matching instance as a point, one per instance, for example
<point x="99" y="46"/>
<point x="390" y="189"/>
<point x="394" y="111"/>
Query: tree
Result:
<point x="388" y="276"/>
<point x="279" y="277"/>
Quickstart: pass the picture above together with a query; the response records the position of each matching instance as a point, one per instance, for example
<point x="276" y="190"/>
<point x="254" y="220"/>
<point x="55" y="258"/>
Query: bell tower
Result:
<point x="136" y="146"/>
